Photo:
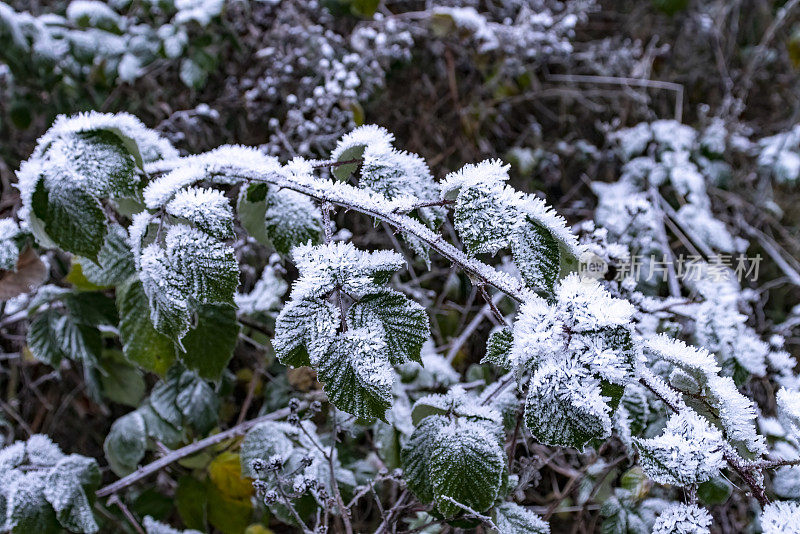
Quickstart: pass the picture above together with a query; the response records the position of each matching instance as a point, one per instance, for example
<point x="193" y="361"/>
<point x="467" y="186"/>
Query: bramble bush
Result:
<point x="316" y="334"/>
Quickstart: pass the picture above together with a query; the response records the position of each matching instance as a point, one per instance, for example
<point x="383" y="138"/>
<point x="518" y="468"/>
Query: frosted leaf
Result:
<point x="689" y="451"/>
<point x="160" y="191"/>
<point x="115" y="263"/>
<point x="455" y="403"/>
<point x="12" y="456"/>
<point x="539" y="212"/>
<point x="415" y="456"/>
<point x="193" y="269"/>
<point x="498" y="347"/>
<point x="145" y="144"/>
<point x="484" y="213"/>
<point x="788" y="402"/>
<point x="781" y="154"/>
<point x="27" y="510"/>
<point x="151" y="526"/>
<point x="736" y="415"/>
<point x="633" y="141"/>
<point x="356" y="374"/>
<point x="208" y="209"/>
<point x="324" y="267"/>
<point x="394" y="174"/>
<point x="66" y="490"/>
<point x="305" y="328"/>
<point x="585" y="322"/>
<point x="40" y="450"/>
<point x="781" y="517"/>
<point x="786" y="482"/>
<point x="706" y="227"/>
<point x="9" y="252"/>
<point x="468" y="20"/>
<point x="698" y="362"/>
<point x="673" y="135"/>
<point x="566" y="406"/>
<point x="200" y="11"/>
<point x="291" y="219"/>
<point x="169" y="307"/>
<point x="403" y="323"/>
<point x="352" y="146"/>
<point x="265" y="295"/>
<point x="93" y="13"/>
<point x="512" y="518"/>
<point x="467" y="465"/>
<point x="680" y="518"/>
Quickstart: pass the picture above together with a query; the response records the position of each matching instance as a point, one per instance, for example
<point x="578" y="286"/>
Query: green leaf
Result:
<point x="121" y="382"/>
<point x="42" y="338"/>
<point x="252" y="210"/>
<point x="512" y="518"/>
<point x="498" y="347"/>
<point x="70" y="490"/>
<point x="73" y="218"/>
<point x="264" y="441"/>
<point x="537" y="255"/>
<point x="291" y="219"/>
<point x="141" y="342"/>
<point x="208" y="347"/>
<point x="467" y="465"/>
<point x="114" y="260"/>
<point x="416" y="454"/>
<point x="91" y="308"/>
<point x="192" y="502"/>
<point x="198" y="402"/>
<point x="164" y="398"/>
<point x="126" y="443"/>
<point x="357" y="375"/>
<point x="715" y="491"/>
<point x="405" y="323"/>
<point x="305" y="327"/>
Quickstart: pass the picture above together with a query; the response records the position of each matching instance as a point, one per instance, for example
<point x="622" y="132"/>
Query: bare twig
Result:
<point x="183" y="452"/>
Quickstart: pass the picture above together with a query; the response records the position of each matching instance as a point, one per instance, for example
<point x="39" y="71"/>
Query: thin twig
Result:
<point x="188" y="450"/>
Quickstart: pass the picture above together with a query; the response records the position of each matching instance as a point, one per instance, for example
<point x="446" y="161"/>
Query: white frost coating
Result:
<point x="683" y="355"/>
<point x="323" y="267"/>
<point x="200" y="11"/>
<point x="737" y="414"/>
<point x="674" y="135"/>
<point x="368" y="135"/>
<point x="208" y="209"/>
<point x="469" y="20"/>
<point x="781" y="517"/>
<point x="266" y="294"/>
<point x="457" y="402"/>
<point x="485" y="173"/>
<point x="679" y="518"/>
<point x="689" y="451"/>
<point x="186" y="171"/>
<point x="92" y="10"/>
<point x="585" y="322"/>
<point x="151" y="145"/>
<point x="151" y="526"/>
<point x="538" y="210"/>
<point x="789" y="410"/>
<point x="8" y="249"/>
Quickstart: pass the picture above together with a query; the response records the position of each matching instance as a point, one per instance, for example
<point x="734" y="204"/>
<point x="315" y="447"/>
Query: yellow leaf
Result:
<point x="257" y="529"/>
<point x="226" y="474"/>
<point x="76" y="277"/>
